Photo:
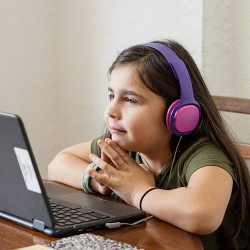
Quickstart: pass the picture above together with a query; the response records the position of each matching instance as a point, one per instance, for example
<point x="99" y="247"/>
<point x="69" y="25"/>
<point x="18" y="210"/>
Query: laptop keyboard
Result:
<point x="67" y="216"/>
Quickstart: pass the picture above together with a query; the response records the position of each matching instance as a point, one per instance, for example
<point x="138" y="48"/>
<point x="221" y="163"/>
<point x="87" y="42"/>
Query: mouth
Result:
<point x="115" y="130"/>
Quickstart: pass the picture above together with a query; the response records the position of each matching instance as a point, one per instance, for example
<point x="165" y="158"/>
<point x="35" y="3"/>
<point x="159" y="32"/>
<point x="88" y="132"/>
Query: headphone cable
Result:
<point x="118" y="224"/>
<point x="174" y="157"/>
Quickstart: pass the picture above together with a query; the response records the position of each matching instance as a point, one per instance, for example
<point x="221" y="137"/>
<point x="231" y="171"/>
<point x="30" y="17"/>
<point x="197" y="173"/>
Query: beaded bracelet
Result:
<point x="145" y="195"/>
<point x="86" y="179"/>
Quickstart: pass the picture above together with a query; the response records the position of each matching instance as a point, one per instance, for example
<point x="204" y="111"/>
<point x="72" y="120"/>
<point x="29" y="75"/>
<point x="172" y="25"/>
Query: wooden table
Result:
<point x="154" y="234"/>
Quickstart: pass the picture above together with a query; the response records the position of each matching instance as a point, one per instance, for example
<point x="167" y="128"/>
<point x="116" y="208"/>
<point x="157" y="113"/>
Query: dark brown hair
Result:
<point x="155" y="72"/>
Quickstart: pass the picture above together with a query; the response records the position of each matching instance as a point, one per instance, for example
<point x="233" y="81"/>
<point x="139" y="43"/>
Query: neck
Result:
<point x="158" y="158"/>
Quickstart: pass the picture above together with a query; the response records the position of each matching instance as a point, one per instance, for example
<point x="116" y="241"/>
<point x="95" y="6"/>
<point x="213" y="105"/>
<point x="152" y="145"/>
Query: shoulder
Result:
<point x="203" y="153"/>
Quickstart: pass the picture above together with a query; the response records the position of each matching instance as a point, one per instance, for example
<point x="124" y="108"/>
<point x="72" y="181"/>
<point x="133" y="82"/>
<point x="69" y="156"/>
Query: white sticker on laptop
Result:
<point x="27" y="169"/>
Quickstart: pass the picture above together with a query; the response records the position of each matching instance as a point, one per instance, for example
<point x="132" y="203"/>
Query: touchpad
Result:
<point x="81" y="199"/>
<point x="53" y="190"/>
<point x="98" y="204"/>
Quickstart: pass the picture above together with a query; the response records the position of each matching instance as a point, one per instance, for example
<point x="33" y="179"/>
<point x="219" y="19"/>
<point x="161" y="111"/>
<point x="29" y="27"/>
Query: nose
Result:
<point x="113" y="111"/>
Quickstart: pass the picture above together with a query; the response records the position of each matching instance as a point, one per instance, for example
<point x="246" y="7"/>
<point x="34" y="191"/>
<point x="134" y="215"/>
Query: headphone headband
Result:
<point x="179" y="69"/>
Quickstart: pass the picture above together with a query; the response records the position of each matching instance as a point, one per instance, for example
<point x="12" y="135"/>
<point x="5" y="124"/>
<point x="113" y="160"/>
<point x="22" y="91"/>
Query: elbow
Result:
<point x="55" y="167"/>
<point x="202" y="222"/>
<point x="52" y="169"/>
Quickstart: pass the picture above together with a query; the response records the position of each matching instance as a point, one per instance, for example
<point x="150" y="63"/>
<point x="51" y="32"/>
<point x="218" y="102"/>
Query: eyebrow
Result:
<point x="126" y="92"/>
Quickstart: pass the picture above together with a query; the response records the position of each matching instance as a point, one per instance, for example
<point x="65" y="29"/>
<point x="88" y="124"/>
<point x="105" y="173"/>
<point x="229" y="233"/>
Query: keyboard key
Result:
<point x="69" y="223"/>
<point x="85" y="210"/>
<point x="101" y="216"/>
<point x="60" y="216"/>
<point x="67" y="218"/>
<point x="76" y="221"/>
<point x="67" y="214"/>
<point x="90" y="217"/>
<point x="84" y="219"/>
<point x="60" y="224"/>
<point x="61" y="221"/>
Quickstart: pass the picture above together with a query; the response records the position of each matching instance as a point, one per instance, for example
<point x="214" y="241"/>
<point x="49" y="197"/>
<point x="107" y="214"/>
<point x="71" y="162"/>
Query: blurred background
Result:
<point x="54" y="58"/>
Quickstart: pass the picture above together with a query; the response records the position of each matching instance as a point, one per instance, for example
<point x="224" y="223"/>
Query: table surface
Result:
<point x="155" y="234"/>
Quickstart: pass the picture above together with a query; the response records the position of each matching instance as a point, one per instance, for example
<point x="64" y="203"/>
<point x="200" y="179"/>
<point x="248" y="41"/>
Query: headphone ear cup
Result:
<point x="170" y="116"/>
<point x="182" y="120"/>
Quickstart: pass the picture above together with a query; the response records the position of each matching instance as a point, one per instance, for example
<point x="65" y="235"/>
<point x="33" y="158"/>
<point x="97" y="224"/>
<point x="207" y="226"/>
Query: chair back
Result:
<point x="236" y="105"/>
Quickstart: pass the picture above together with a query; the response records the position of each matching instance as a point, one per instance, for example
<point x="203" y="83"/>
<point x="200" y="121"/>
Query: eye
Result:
<point x="129" y="100"/>
<point x="111" y="97"/>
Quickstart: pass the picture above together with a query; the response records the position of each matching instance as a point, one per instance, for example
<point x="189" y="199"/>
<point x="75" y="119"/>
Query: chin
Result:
<point x="125" y="146"/>
<point x="121" y="144"/>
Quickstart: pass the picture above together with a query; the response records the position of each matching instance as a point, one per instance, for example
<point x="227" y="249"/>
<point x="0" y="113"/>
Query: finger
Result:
<point x="123" y="154"/>
<point x="107" y="168"/>
<point x="144" y="167"/>
<point x="102" y="179"/>
<point x="111" y="153"/>
<point x="104" y="189"/>
<point x="105" y="157"/>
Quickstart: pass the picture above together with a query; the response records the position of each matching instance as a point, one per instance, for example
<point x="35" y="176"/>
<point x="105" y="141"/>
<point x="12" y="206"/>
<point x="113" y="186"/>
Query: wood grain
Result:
<point x="232" y="104"/>
<point x="236" y="105"/>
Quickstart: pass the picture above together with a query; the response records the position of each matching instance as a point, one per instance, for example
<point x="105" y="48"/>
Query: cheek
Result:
<point x="150" y="128"/>
<point x="148" y="120"/>
<point x="105" y="116"/>
<point x="134" y="121"/>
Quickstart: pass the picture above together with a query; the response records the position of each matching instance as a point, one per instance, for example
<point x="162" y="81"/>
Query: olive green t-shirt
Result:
<point x="202" y="153"/>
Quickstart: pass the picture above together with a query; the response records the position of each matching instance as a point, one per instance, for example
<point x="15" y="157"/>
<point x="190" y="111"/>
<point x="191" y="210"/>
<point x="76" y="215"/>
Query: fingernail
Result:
<point x="99" y="141"/>
<point x="90" y="172"/>
<point x="91" y="156"/>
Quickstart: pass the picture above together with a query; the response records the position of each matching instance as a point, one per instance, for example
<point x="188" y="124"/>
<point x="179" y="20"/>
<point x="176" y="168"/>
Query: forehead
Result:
<point x="126" y="77"/>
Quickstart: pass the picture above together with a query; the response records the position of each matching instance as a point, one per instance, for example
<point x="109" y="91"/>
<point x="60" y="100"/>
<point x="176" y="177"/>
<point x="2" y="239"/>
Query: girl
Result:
<point x="186" y="172"/>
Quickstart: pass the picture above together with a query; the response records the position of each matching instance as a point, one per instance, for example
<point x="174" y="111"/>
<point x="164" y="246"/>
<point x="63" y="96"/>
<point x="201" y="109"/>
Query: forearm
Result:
<point x="180" y="207"/>
<point x="67" y="168"/>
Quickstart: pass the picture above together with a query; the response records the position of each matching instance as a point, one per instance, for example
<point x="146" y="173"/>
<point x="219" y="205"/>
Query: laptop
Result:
<point x="49" y="208"/>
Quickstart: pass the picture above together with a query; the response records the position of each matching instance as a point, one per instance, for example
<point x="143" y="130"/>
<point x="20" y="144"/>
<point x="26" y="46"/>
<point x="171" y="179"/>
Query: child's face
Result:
<point x="135" y="114"/>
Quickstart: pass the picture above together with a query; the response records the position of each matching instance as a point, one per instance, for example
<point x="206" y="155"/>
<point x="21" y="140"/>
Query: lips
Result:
<point x="116" y="130"/>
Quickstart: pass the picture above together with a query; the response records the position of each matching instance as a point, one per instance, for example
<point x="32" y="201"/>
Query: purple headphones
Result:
<point x="183" y="115"/>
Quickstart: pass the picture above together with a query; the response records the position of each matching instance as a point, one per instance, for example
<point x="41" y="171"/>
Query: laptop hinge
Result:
<point x="38" y="225"/>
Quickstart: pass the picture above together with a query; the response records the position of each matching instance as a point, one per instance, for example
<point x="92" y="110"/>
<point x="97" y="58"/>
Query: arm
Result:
<point x="68" y="165"/>
<point x="198" y="208"/>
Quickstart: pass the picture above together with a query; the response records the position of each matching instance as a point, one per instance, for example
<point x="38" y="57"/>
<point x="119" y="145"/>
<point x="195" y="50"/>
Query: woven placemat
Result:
<point x="89" y="241"/>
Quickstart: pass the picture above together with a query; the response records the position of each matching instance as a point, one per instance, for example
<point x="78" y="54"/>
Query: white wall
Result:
<point x="54" y="57"/>
<point x="27" y="75"/>
<point x="226" y="55"/>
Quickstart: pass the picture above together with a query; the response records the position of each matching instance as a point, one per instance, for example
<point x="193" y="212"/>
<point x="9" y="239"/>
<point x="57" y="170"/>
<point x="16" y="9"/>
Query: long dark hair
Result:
<point x="156" y="74"/>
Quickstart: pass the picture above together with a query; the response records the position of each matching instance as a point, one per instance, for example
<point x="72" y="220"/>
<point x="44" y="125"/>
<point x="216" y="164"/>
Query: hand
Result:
<point x="99" y="187"/>
<point x="124" y="176"/>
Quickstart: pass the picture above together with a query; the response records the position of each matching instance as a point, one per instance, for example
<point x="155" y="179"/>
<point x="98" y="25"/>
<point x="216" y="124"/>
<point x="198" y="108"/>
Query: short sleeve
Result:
<point x="208" y="155"/>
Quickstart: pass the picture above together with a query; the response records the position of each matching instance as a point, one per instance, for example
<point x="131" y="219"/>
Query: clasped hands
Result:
<point x="120" y="173"/>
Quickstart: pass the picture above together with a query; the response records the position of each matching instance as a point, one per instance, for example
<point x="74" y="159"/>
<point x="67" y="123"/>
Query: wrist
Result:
<point x="87" y="179"/>
<point x="94" y="185"/>
<point x="143" y="196"/>
<point x="138" y="195"/>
